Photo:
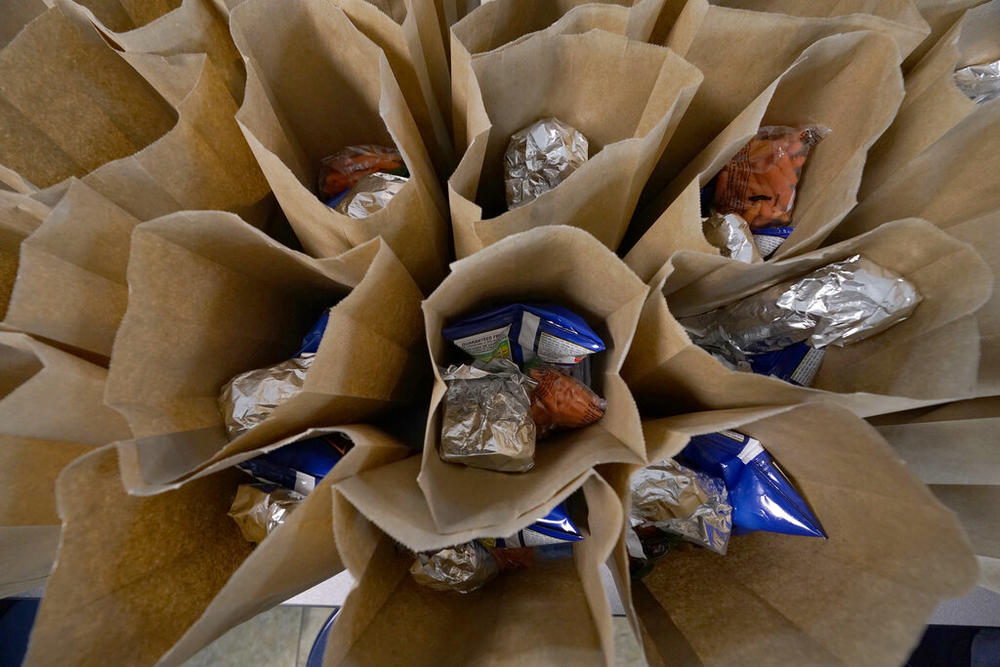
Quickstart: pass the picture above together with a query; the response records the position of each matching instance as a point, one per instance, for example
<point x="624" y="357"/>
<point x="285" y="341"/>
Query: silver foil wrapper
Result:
<point x="679" y="500"/>
<point x="486" y="422"/>
<point x="258" y="511"/>
<point x="463" y="568"/>
<point x="980" y="83"/>
<point x="540" y="157"/>
<point x="838" y="304"/>
<point x="251" y="397"/>
<point x="731" y="234"/>
<point x="371" y="194"/>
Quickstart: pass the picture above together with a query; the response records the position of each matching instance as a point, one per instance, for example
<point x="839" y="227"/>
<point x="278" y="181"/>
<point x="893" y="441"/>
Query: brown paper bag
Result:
<point x="122" y="15"/>
<point x="933" y="104"/>
<point x="153" y="579"/>
<point x="930" y="357"/>
<point x="15" y="15"/>
<point x="20" y="215"/>
<point x="812" y="91"/>
<point x="315" y="84"/>
<point x="51" y="411"/>
<point x="152" y="134"/>
<point x="940" y="15"/>
<point x="624" y="96"/>
<point x="953" y="449"/>
<point x="949" y="185"/>
<point x="554" y="612"/>
<point x="496" y="24"/>
<point x="211" y="297"/>
<point x="589" y="280"/>
<point x="860" y="597"/>
<point x="71" y="285"/>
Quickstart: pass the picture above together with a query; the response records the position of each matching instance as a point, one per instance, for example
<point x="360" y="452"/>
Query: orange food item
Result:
<point x="759" y="183"/>
<point x="560" y="401"/>
<point x="340" y="171"/>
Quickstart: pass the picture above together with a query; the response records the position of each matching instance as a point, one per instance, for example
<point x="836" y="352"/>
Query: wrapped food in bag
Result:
<point x="980" y="83"/>
<point x="370" y="195"/>
<point x="561" y="401"/>
<point x="341" y="171"/>
<point x="731" y="235"/>
<point x="260" y="508"/>
<point x="540" y="157"/>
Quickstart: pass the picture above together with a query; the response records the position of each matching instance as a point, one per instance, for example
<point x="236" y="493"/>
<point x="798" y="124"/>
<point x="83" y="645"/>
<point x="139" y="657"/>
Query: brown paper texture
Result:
<point x="51" y="411"/>
<point x="948" y="185"/>
<point x="940" y="15"/>
<point x="153" y="579"/>
<point x="932" y="356"/>
<point x="153" y="134"/>
<point x="624" y="96"/>
<point x="122" y="15"/>
<point x="551" y="613"/>
<point x="589" y="280"/>
<point x="71" y="285"/>
<point x="893" y="554"/>
<point x="315" y="84"/>
<point x="238" y="301"/>
<point x="814" y="90"/>
<point x="933" y="104"/>
<point x="15" y="15"/>
<point x="20" y="215"/>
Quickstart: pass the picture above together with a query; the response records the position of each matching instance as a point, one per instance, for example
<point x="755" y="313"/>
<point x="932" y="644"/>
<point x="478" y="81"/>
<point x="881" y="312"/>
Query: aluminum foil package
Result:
<point x="463" y="568"/>
<point x="561" y="401"/>
<point x="841" y="303"/>
<point x="370" y="195"/>
<point x="339" y="172"/>
<point x="761" y="495"/>
<point x="980" y="83"/>
<point x="540" y="157"/>
<point x="259" y="508"/>
<point x="251" y="397"/>
<point x="731" y="235"/>
<point x="298" y="466"/>
<point x="486" y="421"/>
<point x="678" y="500"/>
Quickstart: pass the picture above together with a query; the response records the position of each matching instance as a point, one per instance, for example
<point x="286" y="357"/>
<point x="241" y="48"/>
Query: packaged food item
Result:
<point x="301" y="465"/>
<point x="526" y="333"/>
<point x="980" y="83"/>
<point x="841" y="303"/>
<point x="560" y="401"/>
<point x="692" y="505"/>
<point x="759" y="183"/>
<point x="258" y="509"/>
<point x="769" y="239"/>
<point x="796" y="363"/>
<point x="540" y="157"/>
<point x="731" y="234"/>
<point x="463" y="568"/>
<point x="339" y="172"/>
<point x="486" y="421"/>
<point x="761" y="496"/>
<point x="554" y="528"/>
<point x="370" y="195"/>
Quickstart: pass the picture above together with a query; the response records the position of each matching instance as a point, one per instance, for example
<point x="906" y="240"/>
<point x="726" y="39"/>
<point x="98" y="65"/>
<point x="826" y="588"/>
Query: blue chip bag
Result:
<point x="310" y="343"/>
<point x="761" y="496"/>
<point x="769" y="239"/>
<point x="554" y="528"/>
<point x="298" y="466"/>
<point x="796" y="363"/>
<point x="526" y="333"/>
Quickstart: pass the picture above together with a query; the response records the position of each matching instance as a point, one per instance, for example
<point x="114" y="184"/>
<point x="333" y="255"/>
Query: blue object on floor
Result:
<point x="16" y="618"/>
<point x="315" y="658"/>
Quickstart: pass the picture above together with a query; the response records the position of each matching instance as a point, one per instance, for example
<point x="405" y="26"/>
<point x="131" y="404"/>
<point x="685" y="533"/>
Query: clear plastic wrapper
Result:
<point x="260" y="508"/>
<point x="980" y="83"/>
<point x="560" y="401"/>
<point x="841" y="303"/>
<point x="339" y="172"/>
<point x="681" y="501"/>
<point x="370" y="195"/>
<point x="731" y="234"/>
<point x="540" y="157"/>
<point x="486" y="421"/>
<point x="251" y="397"/>
<point x="760" y="182"/>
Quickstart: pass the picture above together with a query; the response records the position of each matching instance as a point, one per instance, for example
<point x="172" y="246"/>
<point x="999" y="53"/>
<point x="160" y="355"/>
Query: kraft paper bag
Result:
<point x="71" y="287"/>
<point x="933" y="103"/>
<point x="123" y="15"/>
<point x="860" y="597"/>
<point x="931" y="357"/>
<point x="16" y="14"/>
<point x="211" y="297"/>
<point x="554" y="612"/>
<point x="496" y="24"/>
<point x="408" y="34"/>
<point x="624" y="96"/>
<point x="953" y="449"/>
<point x="589" y="280"/>
<point x="20" y="215"/>
<point x="316" y="84"/>
<point x="153" y="134"/>
<point x="51" y="411"/>
<point x="940" y="15"/>
<point x="949" y="185"/>
<point x="741" y="52"/>
<point x="144" y="580"/>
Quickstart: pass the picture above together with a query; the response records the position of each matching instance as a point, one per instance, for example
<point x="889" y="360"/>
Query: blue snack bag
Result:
<point x="797" y="363"/>
<point x="769" y="239"/>
<point x="526" y="332"/>
<point x="554" y="528"/>
<point x="298" y="466"/>
<point x="761" y="496"/>
<point x="310" y="343"/>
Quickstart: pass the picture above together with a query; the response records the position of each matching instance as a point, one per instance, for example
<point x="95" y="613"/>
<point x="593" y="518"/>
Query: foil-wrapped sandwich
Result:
<point x="251" y="397"/>
<point x="980" y="83"/>
<point x="540" y="157"/>
<point x="486" y="421"/>
<point x="463" y="568"/>
<point x="370" y="195"/>
<point x="259" y="508"/>
<point x="731" y="235"/>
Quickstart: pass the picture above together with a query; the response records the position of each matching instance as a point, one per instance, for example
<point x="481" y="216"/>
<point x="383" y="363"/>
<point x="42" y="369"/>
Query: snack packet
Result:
<point x="796" y="363"/>
<point x="560" y="401"/>
<point x="298" y="466"/>
<point x="769" y="239"/>
<point x="731" y="235"/>
<point x="980" y="83"/>
<point x="540" y="157"/>
<point x="370" y="195"/>
<point x="759" y="183"/>
<point x="339" y="172"/>
<point x="258" y="509"/>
